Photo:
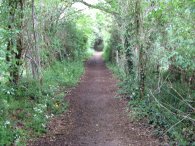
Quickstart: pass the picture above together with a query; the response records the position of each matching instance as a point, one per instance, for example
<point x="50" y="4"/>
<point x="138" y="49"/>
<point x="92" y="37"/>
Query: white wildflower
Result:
<point x="38" y="110"/>
<point x="7" y="122"/>
<point x="43" y="125"/>
<point x="47" y="117"/>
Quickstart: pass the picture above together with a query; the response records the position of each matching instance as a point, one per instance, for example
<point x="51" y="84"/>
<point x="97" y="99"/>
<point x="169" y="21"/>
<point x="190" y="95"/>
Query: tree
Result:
<point x="15" y="43"/>
<point x="35" y="62"/>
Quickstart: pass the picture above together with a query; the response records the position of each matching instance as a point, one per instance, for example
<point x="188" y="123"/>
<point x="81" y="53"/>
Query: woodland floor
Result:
<point x="95" y="117"/>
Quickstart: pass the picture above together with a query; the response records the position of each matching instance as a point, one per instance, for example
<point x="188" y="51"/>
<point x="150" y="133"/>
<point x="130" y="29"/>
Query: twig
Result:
<point x="176" y="124"/>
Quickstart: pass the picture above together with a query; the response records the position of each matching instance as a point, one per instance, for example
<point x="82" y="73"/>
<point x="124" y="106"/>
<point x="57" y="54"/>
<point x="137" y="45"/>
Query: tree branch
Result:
<point x="98" y="7"/>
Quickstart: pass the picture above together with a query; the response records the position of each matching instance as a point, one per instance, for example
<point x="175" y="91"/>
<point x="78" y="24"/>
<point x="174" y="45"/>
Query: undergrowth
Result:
<point x="169" y="107"/>
<point x="26" y="108"/>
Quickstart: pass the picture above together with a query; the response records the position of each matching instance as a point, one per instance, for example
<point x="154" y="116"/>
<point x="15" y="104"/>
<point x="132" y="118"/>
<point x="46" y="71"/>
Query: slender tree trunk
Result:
<point x="35" y="52"/>
<point x="14" y="57"/>
<point x="139" y="38"/>
<point x="20" y="46"/>
<point x="12" y="8"/>
<point x="128" y="52"/>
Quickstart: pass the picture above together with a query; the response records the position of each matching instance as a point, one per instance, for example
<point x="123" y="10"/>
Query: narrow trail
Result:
<point x="95" y="117"/>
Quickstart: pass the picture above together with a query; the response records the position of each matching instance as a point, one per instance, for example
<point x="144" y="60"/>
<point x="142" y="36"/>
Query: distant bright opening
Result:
<point x="100" y="23"/>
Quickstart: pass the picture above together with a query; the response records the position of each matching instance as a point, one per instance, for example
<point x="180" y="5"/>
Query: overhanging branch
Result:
<point x="98" y="7"/>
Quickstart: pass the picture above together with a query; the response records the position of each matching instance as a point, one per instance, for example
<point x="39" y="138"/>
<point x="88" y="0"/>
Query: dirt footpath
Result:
<point x="95" y="117"/>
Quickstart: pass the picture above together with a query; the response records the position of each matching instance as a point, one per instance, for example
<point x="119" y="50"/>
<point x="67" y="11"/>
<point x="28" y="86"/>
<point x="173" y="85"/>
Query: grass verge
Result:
<point x="26" y="108"/>
<point x="169" y="109"/>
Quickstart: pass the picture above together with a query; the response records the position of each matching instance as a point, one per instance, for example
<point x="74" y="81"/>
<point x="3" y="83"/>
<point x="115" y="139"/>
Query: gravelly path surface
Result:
<point x="95" y="117"/>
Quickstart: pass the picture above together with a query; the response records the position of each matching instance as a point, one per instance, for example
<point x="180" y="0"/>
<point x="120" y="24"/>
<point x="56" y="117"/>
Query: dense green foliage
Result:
<point x="152" y="45"/>
<point x="42" y="49"/>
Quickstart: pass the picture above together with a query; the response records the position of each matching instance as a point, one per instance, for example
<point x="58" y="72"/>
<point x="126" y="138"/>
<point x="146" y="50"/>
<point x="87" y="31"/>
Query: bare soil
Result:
<point x="96" y="117"/>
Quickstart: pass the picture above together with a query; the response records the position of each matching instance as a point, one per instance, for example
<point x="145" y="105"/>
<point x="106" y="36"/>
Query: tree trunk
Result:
<point x="35" y="63"/>
<point x="139" y="39"/>
<point x="14" y="57"/>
